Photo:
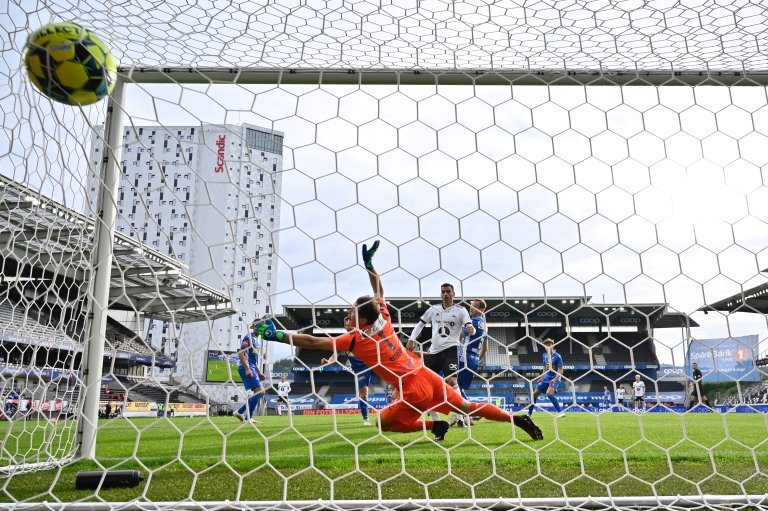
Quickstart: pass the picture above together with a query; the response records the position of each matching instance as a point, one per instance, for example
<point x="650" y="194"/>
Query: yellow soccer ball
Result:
<point x="69" y="64"/>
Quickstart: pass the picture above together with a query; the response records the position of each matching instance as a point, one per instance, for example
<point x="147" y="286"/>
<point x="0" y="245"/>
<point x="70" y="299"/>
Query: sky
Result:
<point x="625" y="194"/>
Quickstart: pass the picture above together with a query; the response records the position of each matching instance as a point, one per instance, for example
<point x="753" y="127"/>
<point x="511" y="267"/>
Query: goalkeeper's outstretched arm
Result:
<point x="373" y="275"/>
<point x="268" y="332"/>
<point x="376" y="285"/>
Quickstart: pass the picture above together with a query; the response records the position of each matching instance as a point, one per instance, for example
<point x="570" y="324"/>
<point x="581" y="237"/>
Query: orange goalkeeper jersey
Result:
<point x="380" y="349"/>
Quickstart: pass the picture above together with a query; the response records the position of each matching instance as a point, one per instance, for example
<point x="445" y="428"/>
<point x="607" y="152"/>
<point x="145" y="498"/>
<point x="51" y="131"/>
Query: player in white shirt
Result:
<point x="620" y="395"/>
<point x="283" y="389"/>
<point x="638" y="391"/>
<point x="447" y="320"/>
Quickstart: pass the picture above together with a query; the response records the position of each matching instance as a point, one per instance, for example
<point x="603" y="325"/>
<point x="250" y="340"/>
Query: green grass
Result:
<point x="220" y="459"/>
<point x="219" y="372"/>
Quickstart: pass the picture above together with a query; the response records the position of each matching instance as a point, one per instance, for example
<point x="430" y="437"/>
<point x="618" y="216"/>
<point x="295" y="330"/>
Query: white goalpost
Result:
<point x="595" y="173"/>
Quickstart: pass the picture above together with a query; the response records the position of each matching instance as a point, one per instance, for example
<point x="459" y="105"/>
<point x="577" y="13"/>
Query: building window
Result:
<point x="264" y="141"/>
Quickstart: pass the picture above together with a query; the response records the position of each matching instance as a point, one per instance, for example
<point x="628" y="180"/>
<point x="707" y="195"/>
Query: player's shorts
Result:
<point x="621" y="402"/>
<point x="282" y="399"/>
<point x="422" y="391"/>
<point x="362" y="373"/>
<point x="445" y="363"/>
<point x="467" y="372"/>
<point x="543" y="386"/>
<point x="249" y="383"/>
<point x="639" y="399"/>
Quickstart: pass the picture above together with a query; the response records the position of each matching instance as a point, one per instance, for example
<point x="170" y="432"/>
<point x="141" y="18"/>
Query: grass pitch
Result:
<point x="222" y="371"/>
<point x="323" y="457"/>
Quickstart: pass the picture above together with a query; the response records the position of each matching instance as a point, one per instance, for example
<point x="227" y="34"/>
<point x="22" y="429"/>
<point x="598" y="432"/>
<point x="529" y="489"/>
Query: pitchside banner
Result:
<point x="724" y="359"/>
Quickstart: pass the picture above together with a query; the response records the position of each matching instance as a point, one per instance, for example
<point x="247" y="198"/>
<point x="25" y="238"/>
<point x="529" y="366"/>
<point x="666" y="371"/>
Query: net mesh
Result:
<point x="448" y="35"/>
<point x="628" y="224"/>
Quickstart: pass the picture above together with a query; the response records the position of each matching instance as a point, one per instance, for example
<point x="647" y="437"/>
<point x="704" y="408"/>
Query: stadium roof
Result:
<point x="753" y="300"/>
<point x="55" y="241"/>
<point x="521" y="310"/>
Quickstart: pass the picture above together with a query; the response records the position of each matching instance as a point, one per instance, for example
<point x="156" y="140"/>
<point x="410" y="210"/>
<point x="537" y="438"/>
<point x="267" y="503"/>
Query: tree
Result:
<point x="283" y="365"/>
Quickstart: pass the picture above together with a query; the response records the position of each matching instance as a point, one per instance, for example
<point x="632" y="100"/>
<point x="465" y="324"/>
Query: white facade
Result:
<point x="206" y="195"/>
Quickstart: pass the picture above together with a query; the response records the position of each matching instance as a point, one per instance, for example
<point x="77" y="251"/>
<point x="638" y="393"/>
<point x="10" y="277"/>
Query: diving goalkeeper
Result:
<point x="373" y="340"/>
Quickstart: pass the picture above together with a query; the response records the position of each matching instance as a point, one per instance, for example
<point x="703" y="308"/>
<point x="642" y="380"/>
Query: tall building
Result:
<point x="206" y="195"/>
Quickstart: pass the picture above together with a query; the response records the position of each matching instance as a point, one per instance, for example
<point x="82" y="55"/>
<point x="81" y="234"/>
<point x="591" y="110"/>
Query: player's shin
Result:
<point x="253" y="405"/>
<point x="554" y="402"/>
<point x="455" y="417"/>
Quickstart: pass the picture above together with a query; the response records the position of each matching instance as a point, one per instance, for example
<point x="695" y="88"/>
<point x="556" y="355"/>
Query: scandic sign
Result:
<point x="221" y="143"/>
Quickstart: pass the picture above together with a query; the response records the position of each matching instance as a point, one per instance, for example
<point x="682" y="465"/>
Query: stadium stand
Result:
<point x="302" y="389"/>
<point x="146" y="389"/>
<point x="669" y="386"/>
<point x="122" y="339"/>
<point x="752" y="395"/>
<point x="15" y="320"/>
<point x="498" y="354"/>
<point x="312" y="358"/>
<point x="43" y="315"/>
<point x="342" y="387"/>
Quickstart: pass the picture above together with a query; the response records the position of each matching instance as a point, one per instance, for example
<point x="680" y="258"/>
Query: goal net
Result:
<point x="587" y="173"/>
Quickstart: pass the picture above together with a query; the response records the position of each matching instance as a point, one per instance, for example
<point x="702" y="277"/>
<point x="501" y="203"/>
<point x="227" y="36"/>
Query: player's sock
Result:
<point x="530" y="409"/>
<point x="555" y="403"/>
<point x="241" y="410"/>
<point x="435" y="416"/>
<point x="489" y="411"/>
<point x="363" y="406"/>
<point x="410" y="427"/>
<point x="253" y="405"/>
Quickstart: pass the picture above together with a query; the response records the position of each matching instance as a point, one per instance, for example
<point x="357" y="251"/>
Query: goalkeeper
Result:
<point x="373" y="340"/>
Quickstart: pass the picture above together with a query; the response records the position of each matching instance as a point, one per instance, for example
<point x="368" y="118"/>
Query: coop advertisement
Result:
<point x="726" y="359"/>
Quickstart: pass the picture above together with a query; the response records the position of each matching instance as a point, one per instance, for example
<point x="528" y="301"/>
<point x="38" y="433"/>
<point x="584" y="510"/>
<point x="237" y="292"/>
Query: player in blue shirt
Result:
<point x="553" y="371"/>
<point x="363" y="375"/>
<point x="390" y="395"/>
<point x="472" y="351"/>
<point x="607" y="398"/>
<point x="248" y="367"/>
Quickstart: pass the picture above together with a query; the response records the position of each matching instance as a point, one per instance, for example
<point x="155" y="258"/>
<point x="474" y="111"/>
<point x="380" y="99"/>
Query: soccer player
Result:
<point x="472" y="351"/>
<point x="448" y="319"/>
<point x="248" y="367"/>
<point x="620" y="394"/>
<point x="696" y="395"/>
<point x="553" y="371"/>
<point x="374" y="341"/>
<point x="638" y="391"/>
<point x="283" y="389"/>
<point x="607" y="399"/>
<point x="363" y="375"/>
<point x="390" y="395"/>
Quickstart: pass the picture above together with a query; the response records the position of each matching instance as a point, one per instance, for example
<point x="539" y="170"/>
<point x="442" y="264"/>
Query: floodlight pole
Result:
<point x="101" y="261"/>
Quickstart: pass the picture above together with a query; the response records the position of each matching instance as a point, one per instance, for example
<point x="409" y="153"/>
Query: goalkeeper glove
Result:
<point x="268" y="332"/>
<point x="368" y="254"/>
